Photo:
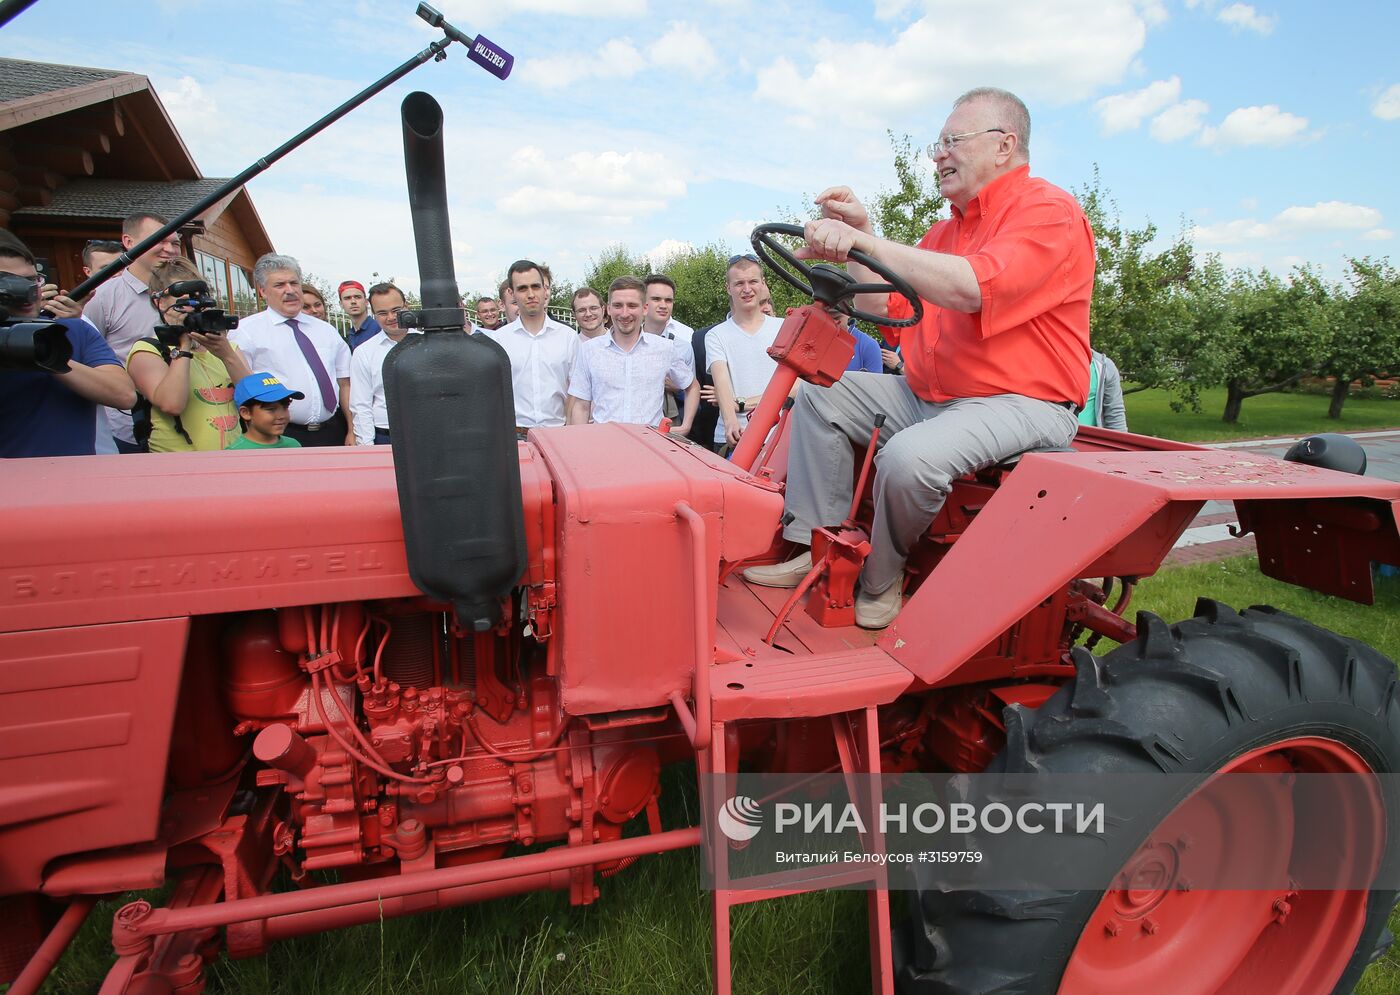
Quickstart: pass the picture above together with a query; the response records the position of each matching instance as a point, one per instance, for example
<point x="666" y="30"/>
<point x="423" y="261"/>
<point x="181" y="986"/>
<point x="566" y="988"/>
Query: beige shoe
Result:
<point x="787" y="574"/>
<point x="876" y="611"/>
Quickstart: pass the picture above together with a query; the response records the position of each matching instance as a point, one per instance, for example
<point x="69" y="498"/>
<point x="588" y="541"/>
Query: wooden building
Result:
<point x="80" y="149"/>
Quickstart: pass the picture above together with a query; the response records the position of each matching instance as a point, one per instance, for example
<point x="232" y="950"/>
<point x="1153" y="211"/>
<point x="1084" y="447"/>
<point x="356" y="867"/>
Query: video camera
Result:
<point x="204" y="317"/>
<point x="29" y="343"/>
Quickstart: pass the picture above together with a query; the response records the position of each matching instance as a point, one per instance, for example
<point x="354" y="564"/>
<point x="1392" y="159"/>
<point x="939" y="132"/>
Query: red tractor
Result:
<point x="407" y="681"/>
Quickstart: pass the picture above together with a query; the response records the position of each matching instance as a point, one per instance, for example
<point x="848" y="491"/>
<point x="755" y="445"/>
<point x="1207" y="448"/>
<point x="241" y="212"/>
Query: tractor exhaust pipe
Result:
<point x="451" y="414"/>
<point x="427" y="202"/>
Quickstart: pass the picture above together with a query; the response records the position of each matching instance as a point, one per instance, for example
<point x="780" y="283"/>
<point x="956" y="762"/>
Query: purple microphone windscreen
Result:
<point x="491" y="57"/>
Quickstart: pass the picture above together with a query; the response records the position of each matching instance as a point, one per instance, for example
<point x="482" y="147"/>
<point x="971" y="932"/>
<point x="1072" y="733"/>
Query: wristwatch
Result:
<point x="740" y="405"/>
<point x="180" y="354"/>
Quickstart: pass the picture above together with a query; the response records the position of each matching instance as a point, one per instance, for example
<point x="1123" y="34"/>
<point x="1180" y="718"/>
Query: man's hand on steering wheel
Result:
<point x="832" y="240"/>
<point x="833" y="287"/>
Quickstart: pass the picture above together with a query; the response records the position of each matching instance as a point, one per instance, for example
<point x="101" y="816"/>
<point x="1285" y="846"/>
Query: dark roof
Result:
<point x="20" y="79"/>
<point x="118" y="198"/>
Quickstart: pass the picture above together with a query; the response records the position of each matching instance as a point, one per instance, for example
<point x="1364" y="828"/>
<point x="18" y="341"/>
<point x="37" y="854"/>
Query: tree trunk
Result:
<point x="1339" y="397"/>
<point x="1234" y="400"/>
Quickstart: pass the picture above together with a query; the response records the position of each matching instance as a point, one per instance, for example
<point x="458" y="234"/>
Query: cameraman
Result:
<point x="46" y="414"/>
<point x="189" y="387"/>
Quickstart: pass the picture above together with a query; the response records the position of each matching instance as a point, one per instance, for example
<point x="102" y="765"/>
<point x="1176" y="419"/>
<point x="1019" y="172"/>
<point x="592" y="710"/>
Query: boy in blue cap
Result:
<point x="264" y="404"/>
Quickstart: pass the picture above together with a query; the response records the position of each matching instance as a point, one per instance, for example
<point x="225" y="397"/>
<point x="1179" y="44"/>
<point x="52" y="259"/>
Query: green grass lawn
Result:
<point x="1267" y="416"/>
<point x="650" y="931"/>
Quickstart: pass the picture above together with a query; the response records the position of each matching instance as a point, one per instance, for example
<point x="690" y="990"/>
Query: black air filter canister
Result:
<point x="451" y="414"/>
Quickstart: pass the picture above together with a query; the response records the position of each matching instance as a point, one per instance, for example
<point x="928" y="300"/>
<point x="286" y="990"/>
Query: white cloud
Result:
<point x="1243" y="17"/>
<point x="1055" y="53"/>
<point x="740" y="228"/>
<point x="1126" y="111"/>
<point x="187" y="99"/>
<point x="1154" y="12"/>
<point x="888" y="9"/>
<point x="684" y="47"/>
<point x="1324" y="216"/>
<point x="1266" y="125"/>
<point x="617" y="59"/>
<point x="607" y="187"/>
<point x="1387" y="105"/>
<point x="327" y="232"/>
<point x="1330" y="215"/>
<point x="659" y="254"/>
<point x="1378" y="235"/>
<point x="1179" y="121"/>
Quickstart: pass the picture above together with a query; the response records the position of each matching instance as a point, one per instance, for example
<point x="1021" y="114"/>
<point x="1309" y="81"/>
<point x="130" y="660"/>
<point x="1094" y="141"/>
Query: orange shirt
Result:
<point x="1032" y="251"/>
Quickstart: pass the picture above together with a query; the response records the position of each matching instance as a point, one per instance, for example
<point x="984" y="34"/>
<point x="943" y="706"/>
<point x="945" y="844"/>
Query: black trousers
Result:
<point x="330" y="432"/>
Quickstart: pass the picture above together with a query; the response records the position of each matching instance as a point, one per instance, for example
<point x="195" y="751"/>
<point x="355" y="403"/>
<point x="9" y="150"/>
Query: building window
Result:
<point x="215" y="273"/>
<point x="245" y="302"/>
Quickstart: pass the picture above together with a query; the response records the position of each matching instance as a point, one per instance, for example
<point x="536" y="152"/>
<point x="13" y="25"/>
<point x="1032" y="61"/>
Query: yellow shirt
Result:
<point x="209" y="419"/>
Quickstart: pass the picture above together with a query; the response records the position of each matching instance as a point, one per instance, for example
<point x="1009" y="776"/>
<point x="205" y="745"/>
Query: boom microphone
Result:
<point x="481" y="50"/>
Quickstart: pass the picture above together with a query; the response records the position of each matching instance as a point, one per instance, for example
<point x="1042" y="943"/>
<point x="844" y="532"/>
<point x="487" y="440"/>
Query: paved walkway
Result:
<point x="1209" y="537"/>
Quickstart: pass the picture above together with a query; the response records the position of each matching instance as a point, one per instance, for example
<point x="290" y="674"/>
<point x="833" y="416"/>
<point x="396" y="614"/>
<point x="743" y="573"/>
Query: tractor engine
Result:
<point x="394" y="735"/>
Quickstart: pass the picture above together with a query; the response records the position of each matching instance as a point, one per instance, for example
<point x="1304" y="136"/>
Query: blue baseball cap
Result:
<point x="262" y="387"/>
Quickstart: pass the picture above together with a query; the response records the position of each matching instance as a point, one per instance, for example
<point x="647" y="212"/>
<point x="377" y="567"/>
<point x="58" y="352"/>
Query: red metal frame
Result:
<point x="145" y="683"/>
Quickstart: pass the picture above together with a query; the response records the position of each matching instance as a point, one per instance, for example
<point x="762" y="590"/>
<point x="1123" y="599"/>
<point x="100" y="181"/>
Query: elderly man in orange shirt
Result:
<point x="998" y="365"/>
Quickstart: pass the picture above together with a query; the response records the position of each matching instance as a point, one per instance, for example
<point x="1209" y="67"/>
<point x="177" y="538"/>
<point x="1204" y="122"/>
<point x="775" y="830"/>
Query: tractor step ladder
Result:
<point x="845" y="687"/>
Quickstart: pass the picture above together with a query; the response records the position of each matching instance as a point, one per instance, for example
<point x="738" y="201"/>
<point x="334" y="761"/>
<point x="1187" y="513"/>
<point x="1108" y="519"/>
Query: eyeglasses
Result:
<point x="949" y="142"/>
<point x="746" y="256"/>
<point x="591" y="309"/>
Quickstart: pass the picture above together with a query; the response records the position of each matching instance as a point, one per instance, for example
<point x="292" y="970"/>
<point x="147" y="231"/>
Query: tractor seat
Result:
<point x="1009" y="464"/>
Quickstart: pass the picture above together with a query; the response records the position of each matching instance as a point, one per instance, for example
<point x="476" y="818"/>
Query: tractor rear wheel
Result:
<point x="1220" y="692"/>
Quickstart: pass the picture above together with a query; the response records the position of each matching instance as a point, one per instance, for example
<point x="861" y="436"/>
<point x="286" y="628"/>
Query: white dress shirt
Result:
<point x="368" y="409"/>
<point x="628" y="386"/>
<point x="268" y="344"/>
<point x="680" y="333"/>
<point x="539" y="369"/>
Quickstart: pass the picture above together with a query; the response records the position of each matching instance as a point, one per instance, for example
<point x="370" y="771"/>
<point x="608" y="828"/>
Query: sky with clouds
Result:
<point x="1267" y="130"/>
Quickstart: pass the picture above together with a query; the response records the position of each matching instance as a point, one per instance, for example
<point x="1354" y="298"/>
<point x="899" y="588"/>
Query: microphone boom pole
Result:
<point x="437" y="51"/>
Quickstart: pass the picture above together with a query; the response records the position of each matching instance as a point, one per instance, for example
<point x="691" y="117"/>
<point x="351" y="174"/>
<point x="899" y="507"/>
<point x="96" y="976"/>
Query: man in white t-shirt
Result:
<point x="621" y="377"/>
<point x="736" y="350"/>
<point x="541" y="350"/>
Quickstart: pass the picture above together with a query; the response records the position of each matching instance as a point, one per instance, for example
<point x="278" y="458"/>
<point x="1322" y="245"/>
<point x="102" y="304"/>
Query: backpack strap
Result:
<point x="141" y="419"/>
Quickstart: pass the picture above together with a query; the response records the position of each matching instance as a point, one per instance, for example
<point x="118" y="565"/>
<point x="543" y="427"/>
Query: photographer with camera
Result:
<point x="187" y="372"/>
<point x="50" y="408"/>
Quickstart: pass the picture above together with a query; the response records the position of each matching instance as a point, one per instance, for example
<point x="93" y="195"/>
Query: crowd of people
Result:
<point x="998" y="363"/>
<point x="627" y="360"/>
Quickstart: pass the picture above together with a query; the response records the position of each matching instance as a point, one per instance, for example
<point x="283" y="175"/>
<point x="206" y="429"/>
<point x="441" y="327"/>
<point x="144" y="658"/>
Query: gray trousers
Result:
<point x="924" y="447"/>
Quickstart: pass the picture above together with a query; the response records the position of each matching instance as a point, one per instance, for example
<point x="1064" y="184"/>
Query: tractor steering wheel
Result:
<point x="830" y="285"/>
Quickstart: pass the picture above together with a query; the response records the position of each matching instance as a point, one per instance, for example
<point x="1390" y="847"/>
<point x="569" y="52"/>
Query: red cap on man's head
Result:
<point x="350" y="283"/>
